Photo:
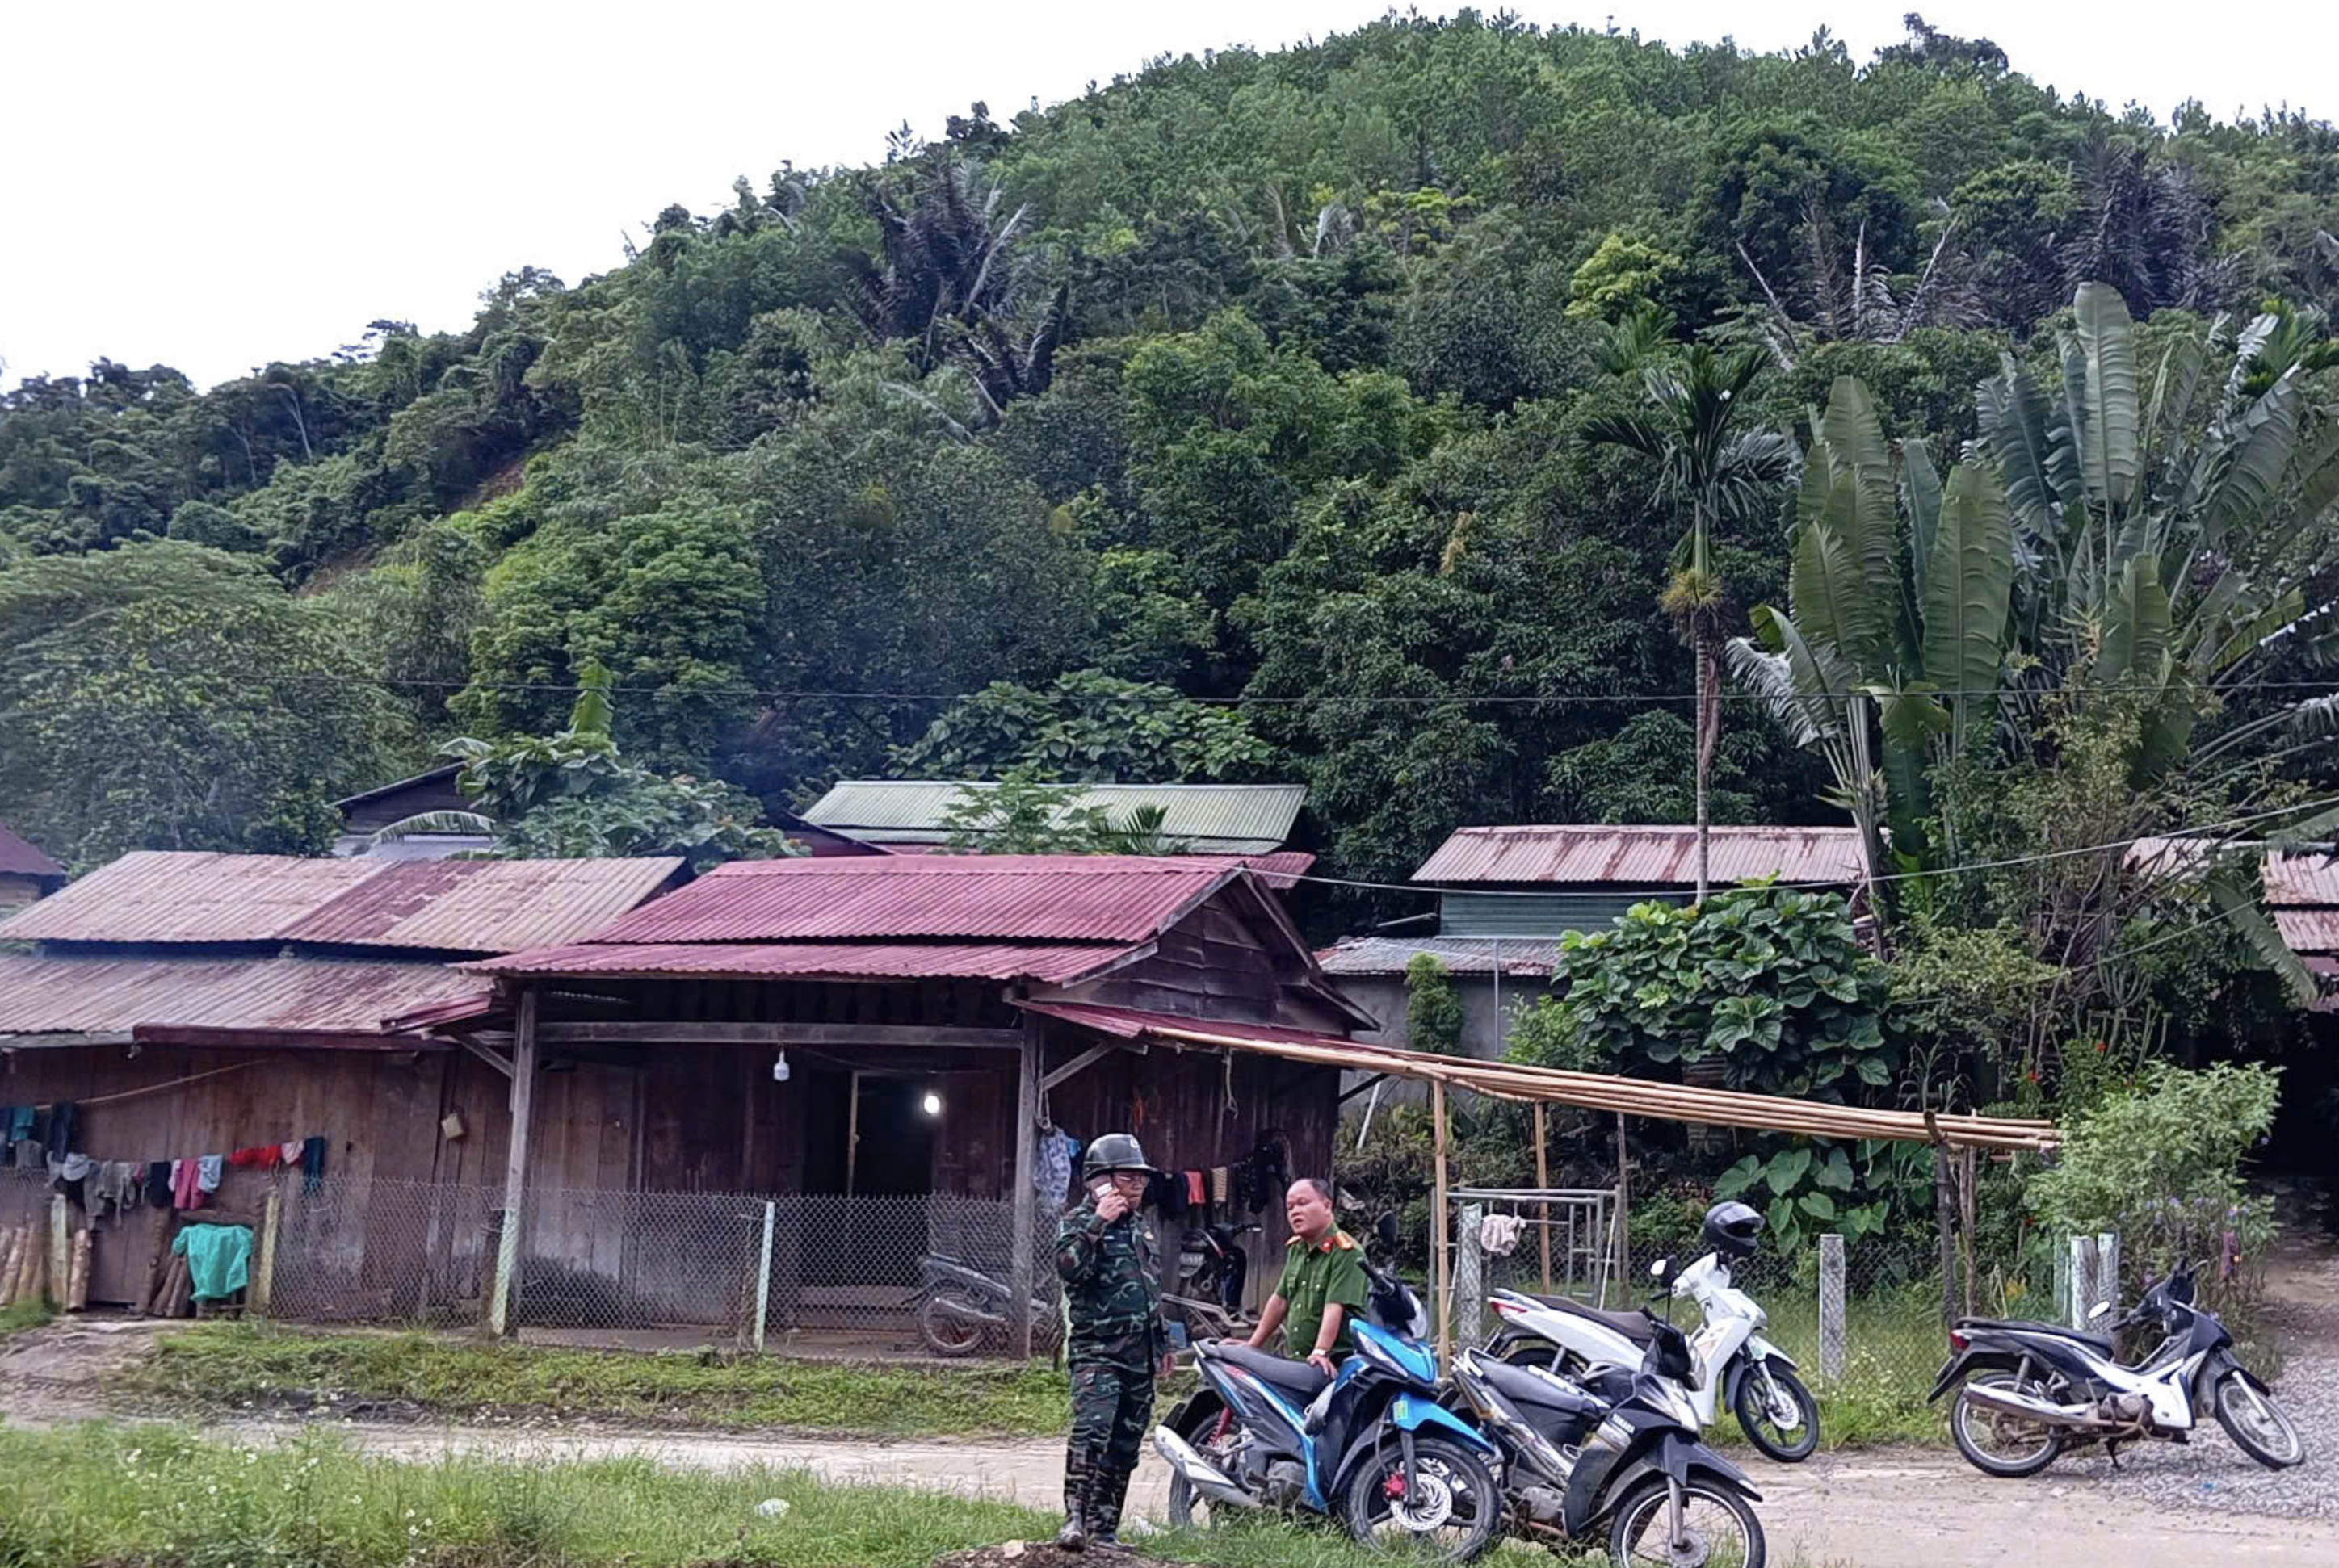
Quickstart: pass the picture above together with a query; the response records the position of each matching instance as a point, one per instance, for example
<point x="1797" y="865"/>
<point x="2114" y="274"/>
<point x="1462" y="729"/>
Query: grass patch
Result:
<point x="99" y="1496"/>
<point x="24" y="1315"/>
<point x="231" y="1363"/>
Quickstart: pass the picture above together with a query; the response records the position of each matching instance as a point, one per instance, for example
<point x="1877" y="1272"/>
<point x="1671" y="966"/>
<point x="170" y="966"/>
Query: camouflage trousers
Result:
<point x="1113" y="1401"/>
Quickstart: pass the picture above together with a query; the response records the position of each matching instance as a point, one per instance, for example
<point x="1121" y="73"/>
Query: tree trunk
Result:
<point x="1709" y="736"/>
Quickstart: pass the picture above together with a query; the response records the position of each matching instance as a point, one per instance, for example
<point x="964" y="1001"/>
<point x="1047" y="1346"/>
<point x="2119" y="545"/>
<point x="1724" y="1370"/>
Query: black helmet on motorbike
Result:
<point x="1732" y="1228"/>
<point x="1114" y="1151"/>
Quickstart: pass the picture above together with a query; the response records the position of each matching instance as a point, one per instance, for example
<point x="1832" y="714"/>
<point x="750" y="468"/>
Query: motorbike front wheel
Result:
<point x="945" y="1332"/>
<point x="1189" y="1509"/>
<point x="2256" y="1424"/>
<point x="1453" y="1516"/>
<point x="1779" y="1414"/>
<point x="1717" y="1529"/>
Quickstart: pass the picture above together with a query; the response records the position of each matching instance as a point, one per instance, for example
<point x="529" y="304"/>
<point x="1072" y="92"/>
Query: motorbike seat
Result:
<point x="2061" y="1331"/>
<point x="1296" y="1378"/>
<point x="1526" y="1389"/>
<point x="1635" y="1326"/>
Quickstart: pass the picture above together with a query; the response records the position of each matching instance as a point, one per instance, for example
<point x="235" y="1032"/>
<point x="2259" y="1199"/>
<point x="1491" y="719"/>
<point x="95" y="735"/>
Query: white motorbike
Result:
<point x="1730" y="1361"/>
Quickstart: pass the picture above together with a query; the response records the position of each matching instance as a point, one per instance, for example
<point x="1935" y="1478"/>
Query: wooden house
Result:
<point x="25" y="872"/>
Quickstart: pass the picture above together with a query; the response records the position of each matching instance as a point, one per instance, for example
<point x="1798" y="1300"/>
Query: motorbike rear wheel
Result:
<point x="946" y="1333"/>
<point x="2256" y="1424"/>
<point x="1759" y="1407"/>
<point x="1995" y="1443"/>
<point x="1458" y="1513"/>
<point x="1718" y="1530"/>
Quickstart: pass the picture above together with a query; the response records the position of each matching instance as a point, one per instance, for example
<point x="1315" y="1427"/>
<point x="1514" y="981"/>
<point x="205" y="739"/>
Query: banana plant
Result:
<point x="2170" y="538"/>
<point x="1898" y="592"/>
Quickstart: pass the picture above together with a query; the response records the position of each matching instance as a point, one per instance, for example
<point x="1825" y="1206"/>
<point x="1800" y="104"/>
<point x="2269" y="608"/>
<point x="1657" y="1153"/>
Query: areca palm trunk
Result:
<point x="1709" y="736"/>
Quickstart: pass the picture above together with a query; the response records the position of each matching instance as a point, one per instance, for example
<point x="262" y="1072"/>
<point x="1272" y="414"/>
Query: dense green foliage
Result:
<point x="1433" y="1007"/>
<point x="1249" y="416"/>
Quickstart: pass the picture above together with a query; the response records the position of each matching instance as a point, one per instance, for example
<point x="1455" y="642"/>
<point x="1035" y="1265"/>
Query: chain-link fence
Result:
<point x="803" y="1272"/>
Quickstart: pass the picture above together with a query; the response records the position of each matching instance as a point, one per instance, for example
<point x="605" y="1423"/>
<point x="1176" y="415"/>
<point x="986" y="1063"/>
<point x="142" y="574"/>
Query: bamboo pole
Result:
<point x="7" y="1266"/>
<point x="1543" y="1180"/>
<point x="77" y="1289"/>
<point x="1438" y="1236"/>
<point x="1623" y="1213"/>
<point x="1595" y="1092"/>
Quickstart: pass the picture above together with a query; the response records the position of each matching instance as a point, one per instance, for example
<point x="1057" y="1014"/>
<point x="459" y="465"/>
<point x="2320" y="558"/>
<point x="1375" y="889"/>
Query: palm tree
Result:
<point x="1718" y="475"/>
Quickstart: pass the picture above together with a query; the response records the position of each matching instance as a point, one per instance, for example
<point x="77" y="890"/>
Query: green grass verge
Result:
<point x="102" y="1496"/>
<point x="227" y="1363"/>
<point x="22" y="1315"/>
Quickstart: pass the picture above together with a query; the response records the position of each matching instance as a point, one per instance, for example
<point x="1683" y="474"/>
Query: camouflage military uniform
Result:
<point x="1117" y="1341"/>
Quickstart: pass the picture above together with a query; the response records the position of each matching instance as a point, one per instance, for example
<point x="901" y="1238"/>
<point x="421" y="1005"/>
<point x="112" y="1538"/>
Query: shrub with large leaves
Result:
<point x="1769" y="981"/>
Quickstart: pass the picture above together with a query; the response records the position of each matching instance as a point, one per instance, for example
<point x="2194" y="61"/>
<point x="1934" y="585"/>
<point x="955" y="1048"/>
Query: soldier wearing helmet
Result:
<point x="1105" y="1251"/>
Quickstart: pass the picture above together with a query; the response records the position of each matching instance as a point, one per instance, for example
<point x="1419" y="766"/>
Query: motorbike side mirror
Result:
<point x="1384" y="1229"/>
<point x="1657" y="1269"/>
<point x="2100" y="1309"/>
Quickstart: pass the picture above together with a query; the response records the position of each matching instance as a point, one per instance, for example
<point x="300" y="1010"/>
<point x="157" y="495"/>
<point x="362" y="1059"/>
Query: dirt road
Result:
<point x="1888" y="1509"/>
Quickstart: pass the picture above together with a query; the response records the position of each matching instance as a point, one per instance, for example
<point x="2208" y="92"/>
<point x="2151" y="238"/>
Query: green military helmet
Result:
<point x="1115" y="1151"/>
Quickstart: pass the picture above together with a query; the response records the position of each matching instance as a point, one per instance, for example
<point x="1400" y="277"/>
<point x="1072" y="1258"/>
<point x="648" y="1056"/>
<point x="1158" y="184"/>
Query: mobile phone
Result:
<point x="1097" y="1189"/>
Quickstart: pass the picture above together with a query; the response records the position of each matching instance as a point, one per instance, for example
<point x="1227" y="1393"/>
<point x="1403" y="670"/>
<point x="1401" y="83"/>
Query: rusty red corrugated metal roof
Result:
<point x="2308" y="930"/>
<point x="2302" y="878"/>
<point x="166" y="896"/>
<point x="483" y="906"/>
<point x="20" y="857"/>
<point x="1051" y="963"/>
<point x="976" y="898"/>
<point x="1643" y="855"/>
<point x="51" y="994"/>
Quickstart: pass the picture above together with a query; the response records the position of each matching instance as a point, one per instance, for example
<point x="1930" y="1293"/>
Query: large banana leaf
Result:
<point x="2242" y="913"/>
<point x="2108" y="443"/>
<point x="2028" y="436"/>
<point x="1968" y="588"/>
<point x="1806" y="687"/>
<point x="1826" y="589"/>
<point x="1920" y="491"/>
<point x="2135" y="626"/>
<point x="2268" y="432"/>
<point x="2174" y="391"/>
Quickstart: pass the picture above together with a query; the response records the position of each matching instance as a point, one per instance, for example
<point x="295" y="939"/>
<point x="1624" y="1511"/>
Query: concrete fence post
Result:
<point x="763" y="1277"/>
<point x="60" y="1253"/>
<point x="1835" y="1341"/>
<point x="2080" y="1294"/>
<point x="2107" y="1271"/>
<point x="1470" y="1276"/>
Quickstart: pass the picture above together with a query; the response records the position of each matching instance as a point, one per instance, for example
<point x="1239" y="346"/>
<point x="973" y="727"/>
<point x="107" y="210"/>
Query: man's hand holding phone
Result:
<point x="1110" y="1203"/>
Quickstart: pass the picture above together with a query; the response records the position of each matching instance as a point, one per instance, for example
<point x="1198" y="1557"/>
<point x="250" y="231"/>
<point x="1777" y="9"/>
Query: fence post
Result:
<point x="503" y="1305"/>
<point x="263" y="1278"/>
<point x="2083" y="1281"/>
<point x="60" y="1253"/>
<point x="1834" y="1345"/>
<point x="2108" y="1273"/>
<point x="1470" y="1273"/>
<point x="764" y="1277"/>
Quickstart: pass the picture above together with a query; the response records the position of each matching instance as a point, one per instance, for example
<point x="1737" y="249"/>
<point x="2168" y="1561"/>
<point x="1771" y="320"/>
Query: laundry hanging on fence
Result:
<point x="184" y="1194"/>
<point x="218" y="1258"/>
<point x="265" y="1156"/>
<point x="65" y="1128"/>
<point x="158" y="1184"/>
<point x="1498" y="1234"/>
<point x="1051" y="1170"/>
<point x="313" y="1165"/>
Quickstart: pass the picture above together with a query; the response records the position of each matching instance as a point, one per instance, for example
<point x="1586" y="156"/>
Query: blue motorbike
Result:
<point x="1369" y="1446"/>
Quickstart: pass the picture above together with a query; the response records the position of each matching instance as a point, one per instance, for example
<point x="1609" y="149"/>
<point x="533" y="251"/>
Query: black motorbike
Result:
<point x="1616" y="1453"/>
<point x="960" y="1308"/>
<point x="1212" y="1270"/>
<point x="2027" y="1391"/>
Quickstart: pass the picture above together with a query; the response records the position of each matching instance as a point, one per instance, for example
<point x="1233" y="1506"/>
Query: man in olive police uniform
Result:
<point x="1106" y="1252"/>
<point x="1323" y="1281"/>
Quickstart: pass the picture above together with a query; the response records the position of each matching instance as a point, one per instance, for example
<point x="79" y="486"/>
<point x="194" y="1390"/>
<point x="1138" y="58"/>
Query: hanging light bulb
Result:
<point x="780" y="1068"/>
<point x="932" y="1104"/>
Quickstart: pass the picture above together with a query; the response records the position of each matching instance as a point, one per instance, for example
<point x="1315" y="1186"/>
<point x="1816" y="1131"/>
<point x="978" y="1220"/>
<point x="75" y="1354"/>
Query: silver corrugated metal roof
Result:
<point x="159" y="896"/>
<point x="51" y="994"/>
<point x="1210" y="818"/>
<point x="1642" y="856"/>
<point x="1530" y="958"/>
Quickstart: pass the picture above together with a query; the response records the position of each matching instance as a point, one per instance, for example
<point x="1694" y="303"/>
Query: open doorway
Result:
<point x="869" y="1134"/>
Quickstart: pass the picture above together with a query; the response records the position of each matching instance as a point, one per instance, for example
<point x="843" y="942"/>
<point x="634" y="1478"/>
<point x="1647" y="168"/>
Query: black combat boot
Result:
<point x="1074" y="1535"/>
<point x="1104" y="1510"/>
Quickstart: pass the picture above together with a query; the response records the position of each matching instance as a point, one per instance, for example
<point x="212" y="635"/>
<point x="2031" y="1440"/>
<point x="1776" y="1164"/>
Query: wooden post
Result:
<point x="1440" y="1285"/>
<point x="1022" y="1189"/>
<point x="263" y="1278"/>
<point x="1543" y="1180"/>
<point x="503" y="1307"/>
<point x="59" y="1252"/>
<point x="1623" y="1213"/>
<point x="763" y="1277"/>
<point x="1945" y="1221"/>
<point x="1968" y="1180"/>
<point x="1834" y="1343"/>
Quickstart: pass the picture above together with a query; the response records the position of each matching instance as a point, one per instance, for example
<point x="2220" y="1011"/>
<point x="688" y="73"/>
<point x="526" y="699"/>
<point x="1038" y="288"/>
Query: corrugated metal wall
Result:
<point x="1539" y="915"/>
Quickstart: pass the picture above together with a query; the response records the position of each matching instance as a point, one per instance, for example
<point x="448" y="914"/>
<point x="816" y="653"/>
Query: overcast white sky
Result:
<point x="213" y="186"/>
